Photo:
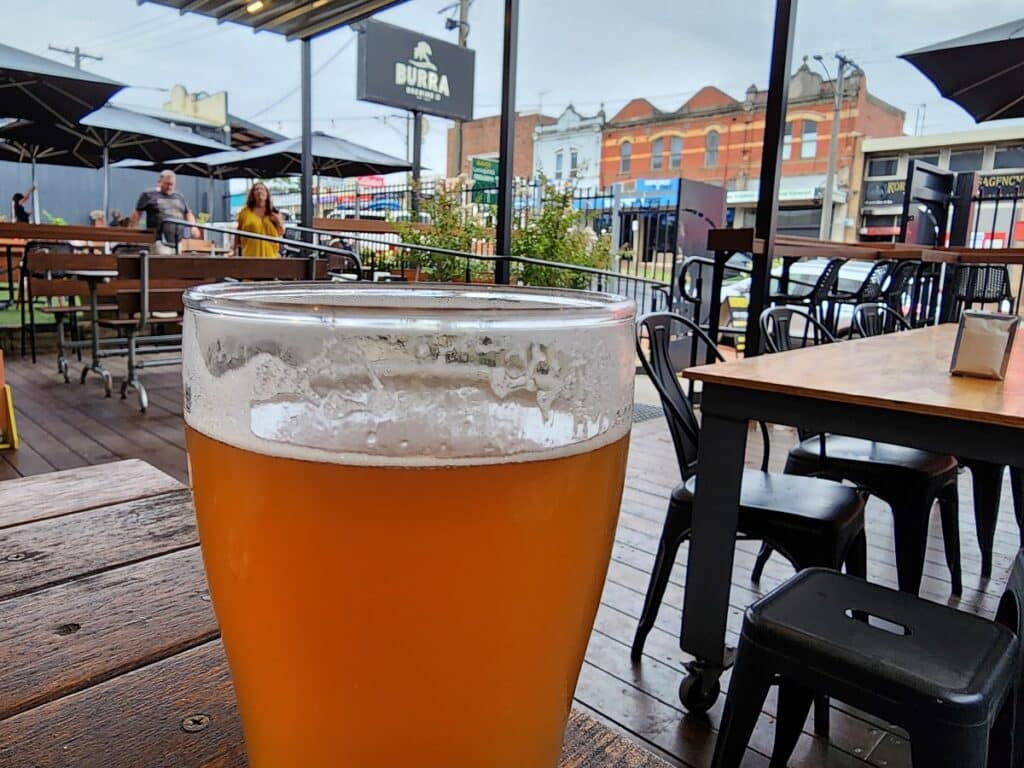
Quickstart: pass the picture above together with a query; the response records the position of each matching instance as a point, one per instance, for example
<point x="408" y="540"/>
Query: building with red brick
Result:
<point x="480" y="138"/>
<point x="716" y="138"/>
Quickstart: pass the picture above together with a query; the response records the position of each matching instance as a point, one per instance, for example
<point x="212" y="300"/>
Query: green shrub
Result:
<point x="554" y="233"/>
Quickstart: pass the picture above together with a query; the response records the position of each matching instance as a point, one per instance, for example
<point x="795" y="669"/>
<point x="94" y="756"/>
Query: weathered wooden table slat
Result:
<point x="109" y="651"/>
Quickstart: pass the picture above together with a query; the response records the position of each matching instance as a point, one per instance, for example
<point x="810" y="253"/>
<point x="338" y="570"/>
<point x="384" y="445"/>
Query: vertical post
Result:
<point x="106" y="185"/>
<point x="417" y="151"/>
<point x="825" y="232"/>
<point x="306" y="192"/>
<point x="503" y="231"/>
<point x="771" y="166"/>
<point x="463" y="34"/>
<point x="35" y="190"/>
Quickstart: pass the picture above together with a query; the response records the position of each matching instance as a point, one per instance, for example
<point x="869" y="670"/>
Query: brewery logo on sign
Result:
<point x="410" y="70"/>
<point x="419" y="76"/>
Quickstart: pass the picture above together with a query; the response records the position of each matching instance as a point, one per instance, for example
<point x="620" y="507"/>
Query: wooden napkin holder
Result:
<point x="983" y="344"/>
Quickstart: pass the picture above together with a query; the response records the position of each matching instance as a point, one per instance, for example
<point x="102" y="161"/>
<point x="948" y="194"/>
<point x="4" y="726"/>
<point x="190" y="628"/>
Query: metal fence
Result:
<point x="998" y="217"/>
<point x="642" y="238"/>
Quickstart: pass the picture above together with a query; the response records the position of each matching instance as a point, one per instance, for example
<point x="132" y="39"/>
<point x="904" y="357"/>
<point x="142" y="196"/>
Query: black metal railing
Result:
<point x="412" y="261"/>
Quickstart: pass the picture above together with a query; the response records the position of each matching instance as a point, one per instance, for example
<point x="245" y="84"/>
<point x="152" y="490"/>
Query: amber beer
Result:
<point x="392" y="592"/>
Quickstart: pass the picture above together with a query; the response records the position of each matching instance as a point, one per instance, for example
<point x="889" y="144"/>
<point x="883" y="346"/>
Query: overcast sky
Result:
<point x="588" y="52"/>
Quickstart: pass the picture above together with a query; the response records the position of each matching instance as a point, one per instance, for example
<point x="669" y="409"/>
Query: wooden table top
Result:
<point x="109" y="651"/>
<point x="902" y="372"/>
<point x="73" y="232"/>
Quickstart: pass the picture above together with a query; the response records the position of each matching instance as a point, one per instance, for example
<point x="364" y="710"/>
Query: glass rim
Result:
<point x="448" y="304"/>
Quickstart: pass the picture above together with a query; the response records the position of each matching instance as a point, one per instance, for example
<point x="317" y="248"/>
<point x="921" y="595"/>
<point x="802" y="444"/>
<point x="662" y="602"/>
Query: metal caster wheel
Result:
<point x="695" y="696"/>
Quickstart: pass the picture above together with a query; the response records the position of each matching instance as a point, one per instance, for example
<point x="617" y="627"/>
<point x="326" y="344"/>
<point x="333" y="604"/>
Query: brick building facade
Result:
<point x="716" y="138"/>
<point x="480" y="139"/>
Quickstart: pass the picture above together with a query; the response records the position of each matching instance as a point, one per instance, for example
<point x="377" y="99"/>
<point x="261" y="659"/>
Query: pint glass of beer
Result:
<point x="407" y="499"/>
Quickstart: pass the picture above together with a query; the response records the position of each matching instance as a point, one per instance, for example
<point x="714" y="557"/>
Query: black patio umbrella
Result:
<point x="36" y="88"/>
<point x="104" y="136"/>
<point x="331" y="157"/>
<point x="983" y="72"/>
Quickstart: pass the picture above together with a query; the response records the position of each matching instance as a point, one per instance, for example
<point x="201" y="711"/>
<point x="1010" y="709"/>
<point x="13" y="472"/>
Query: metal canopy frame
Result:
<point x="295" y="19"/>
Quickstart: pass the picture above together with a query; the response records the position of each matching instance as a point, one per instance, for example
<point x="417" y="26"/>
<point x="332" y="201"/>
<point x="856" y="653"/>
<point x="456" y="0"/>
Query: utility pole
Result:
<point x="77" y="53"/>
<point x="825" y="232"/>
<point x="463" y="25"/>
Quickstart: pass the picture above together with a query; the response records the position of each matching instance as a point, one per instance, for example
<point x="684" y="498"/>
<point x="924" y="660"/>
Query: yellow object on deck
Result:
<point x="8" y="426"/>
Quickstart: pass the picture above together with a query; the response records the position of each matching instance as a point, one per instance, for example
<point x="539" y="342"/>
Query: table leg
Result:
<point x="10" y="278"/>
<point x="709" y="573"/>
<point x="95" y="365"/>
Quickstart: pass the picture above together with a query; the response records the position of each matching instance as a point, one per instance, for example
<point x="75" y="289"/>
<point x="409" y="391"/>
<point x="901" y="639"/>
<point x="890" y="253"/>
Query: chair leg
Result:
<point x="791" y="714"/>
<point x="987" y="484"/>
<point x="857" y="557"/>
<point x="910" y="529"/>
<point x="677" y="525"/>
<point x="948" y="746"/>
<point x="748" y="688"/>
<point x="762" y="558"/>
<point x="949" y="510"/>
<point x="1017" y="486"/>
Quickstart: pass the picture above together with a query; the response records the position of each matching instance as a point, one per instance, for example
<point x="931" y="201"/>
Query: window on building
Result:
<point x="625" y="156"/>
<point x="675" y="152"/>
<point x="809" y="140"/>
<point x="657" y="154"/>
<point x="880" y="167"/>
<point x="966" y="160"/>
<point x="711" y="149"/>
<point x="930" y="159"/>
<point x="1009" y="157"/>
<point x="787" y="142"/>
<point x="558" y="165"/>
<point x="574" y="161"/>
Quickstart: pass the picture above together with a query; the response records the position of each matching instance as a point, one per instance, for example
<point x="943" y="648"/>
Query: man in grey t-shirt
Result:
<point x="160" y="204"/>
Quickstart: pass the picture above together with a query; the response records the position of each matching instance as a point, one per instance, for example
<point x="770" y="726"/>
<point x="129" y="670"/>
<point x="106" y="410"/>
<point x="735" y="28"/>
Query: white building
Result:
<point x="570" y="148"/>
<point x="996" y="154"/>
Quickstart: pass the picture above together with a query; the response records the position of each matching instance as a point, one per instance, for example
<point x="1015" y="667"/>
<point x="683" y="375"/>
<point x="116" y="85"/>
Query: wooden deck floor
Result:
<point x="69" y="425"/>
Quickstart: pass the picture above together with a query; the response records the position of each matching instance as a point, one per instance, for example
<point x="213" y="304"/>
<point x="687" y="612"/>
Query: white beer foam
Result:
<point x="333" y="390"/>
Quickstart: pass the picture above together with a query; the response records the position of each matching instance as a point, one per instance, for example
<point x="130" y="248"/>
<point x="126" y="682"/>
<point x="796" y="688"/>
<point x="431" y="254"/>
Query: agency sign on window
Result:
<point x="405" y="69"/>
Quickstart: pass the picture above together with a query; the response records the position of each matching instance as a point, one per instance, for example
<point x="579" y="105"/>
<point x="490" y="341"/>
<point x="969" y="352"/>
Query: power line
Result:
<point x="108" y="36"/>
<point x="316" y="71"/>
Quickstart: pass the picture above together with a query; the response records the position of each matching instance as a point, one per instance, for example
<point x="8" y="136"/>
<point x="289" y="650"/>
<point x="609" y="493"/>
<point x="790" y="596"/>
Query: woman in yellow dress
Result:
<point x="260" y="217"/>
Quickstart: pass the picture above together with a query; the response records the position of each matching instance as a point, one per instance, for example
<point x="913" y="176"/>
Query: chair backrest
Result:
<point x="983" y="283"/>
<point x="877" y="318"/>
<point x="898" y="283"/>
<point x="782" y="334"/>
<point x="827" y="281"/>
<point x="655" y="334"/>
<point x="871" y="289"/>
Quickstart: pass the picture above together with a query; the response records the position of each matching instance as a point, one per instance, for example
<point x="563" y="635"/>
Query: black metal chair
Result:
<point x="810" y="521"/>
<point x="986" y="478"/>
<point x="909" y="480"/>
<point x="898" y="288"/>
<point x="875" y="319"/>
<point x="815" y="299"/>
<point x="951" y="679"/>
<point x="869" y="291"/>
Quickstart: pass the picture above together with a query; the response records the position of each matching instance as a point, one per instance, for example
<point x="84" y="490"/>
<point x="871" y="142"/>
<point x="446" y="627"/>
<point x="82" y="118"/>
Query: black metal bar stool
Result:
<point x="949" y="678"/>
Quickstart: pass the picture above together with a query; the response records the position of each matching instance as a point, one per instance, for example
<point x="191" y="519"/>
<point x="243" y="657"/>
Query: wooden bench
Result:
<point x="155" y="301"/>
<point x="43" y="266"/>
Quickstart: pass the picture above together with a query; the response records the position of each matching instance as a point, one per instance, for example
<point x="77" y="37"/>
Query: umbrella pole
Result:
<point x="35" y="191"/>
<point x="106" y="183"/>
